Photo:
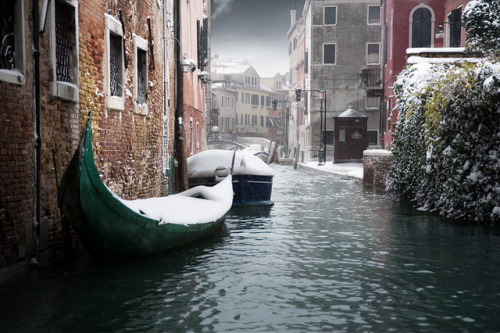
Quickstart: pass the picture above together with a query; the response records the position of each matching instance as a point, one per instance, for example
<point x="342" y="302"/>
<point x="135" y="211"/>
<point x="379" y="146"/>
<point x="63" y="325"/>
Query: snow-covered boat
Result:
<point x="252" y="178"/>
<point x="109" y="226"/>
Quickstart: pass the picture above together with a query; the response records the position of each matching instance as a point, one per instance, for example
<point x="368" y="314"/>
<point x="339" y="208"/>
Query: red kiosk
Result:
<point x="351" y="139"/>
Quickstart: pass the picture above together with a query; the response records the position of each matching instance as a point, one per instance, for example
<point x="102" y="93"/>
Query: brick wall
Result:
<point x="376" y="166"/>
<point x="128" y="145"/>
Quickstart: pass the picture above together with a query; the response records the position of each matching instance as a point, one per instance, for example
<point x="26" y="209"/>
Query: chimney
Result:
<point x="293" y="17"/>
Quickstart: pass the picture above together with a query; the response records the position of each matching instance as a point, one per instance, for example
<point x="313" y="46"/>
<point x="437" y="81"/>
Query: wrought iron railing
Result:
<point x="7" y="38"/>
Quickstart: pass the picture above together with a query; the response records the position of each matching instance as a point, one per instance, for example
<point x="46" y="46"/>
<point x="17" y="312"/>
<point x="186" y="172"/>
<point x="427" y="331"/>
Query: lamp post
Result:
<point x="322" y="139"/>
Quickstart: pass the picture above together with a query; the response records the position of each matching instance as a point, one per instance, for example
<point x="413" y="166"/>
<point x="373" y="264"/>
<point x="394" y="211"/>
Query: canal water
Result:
<point x="329" y="256"/>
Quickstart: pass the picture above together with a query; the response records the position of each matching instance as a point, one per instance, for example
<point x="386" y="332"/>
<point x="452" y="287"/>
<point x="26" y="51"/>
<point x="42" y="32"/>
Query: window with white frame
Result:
<point x="141" y="75"/>
<point x="329" y="53"/>
<point x="373" y="15"/>
<point x="12" y="41"/>
<point x="114" y="71"/>
<point x="372" y="53"/>
<point x="64" y="49"/>
<point x="421" y="27"/>
<point x="372" y="103"/>
<point x="330" y="15"/>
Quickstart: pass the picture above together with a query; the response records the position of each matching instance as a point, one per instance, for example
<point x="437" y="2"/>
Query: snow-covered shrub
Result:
<point x="482" y="25"/>
<point x="447" y="139"/>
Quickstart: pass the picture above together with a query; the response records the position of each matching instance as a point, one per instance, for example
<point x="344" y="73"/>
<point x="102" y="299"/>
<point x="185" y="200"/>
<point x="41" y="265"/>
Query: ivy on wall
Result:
<point x="447" y="139"/>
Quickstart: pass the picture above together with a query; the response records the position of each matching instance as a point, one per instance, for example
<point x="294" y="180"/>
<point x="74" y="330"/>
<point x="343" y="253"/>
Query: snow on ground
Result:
<point x="351" y="170"/>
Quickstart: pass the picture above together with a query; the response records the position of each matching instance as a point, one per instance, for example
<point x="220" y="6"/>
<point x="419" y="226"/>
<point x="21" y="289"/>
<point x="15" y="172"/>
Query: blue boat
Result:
<point x="252" y="178"/>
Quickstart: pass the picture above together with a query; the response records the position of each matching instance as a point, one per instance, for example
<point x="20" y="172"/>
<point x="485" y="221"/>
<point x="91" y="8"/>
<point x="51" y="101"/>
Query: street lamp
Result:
<point x="322" y="97"/>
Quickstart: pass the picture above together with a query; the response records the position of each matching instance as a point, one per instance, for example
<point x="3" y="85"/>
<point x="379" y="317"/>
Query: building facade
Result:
<point x="243" y="98"/>
<point x="342" y="41"/>
<point x="117" y="61"/>
<point x="406" y="24"/>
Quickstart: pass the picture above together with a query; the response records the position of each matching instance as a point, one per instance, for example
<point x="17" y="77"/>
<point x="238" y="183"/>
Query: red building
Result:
<point x="406" y="24"/>
<point x="415" y="24"/>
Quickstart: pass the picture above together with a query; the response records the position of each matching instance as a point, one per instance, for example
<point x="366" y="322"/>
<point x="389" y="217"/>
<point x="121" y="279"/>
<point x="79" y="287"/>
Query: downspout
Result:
<point x="166" y="101"/>
<point x="382" y="102"/>
<point x="38" y="147"/>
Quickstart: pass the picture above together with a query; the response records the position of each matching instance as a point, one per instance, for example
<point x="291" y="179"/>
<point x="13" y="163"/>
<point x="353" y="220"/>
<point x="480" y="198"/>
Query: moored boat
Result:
<point x="109" y="226"/>
<point x="252" y="178"/>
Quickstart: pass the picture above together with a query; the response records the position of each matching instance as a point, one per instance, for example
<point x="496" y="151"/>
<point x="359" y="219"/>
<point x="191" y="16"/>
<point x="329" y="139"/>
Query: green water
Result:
<point x="329" y="256"/>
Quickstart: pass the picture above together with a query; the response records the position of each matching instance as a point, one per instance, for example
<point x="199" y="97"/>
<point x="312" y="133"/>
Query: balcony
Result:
<point x="371" y="79"/>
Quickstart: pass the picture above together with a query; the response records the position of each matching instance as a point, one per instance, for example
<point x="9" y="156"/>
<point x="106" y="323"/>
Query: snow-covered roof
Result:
<point x="351" y="112"/>
<point x="438" y="50"/>
<point x="417" y="60"/>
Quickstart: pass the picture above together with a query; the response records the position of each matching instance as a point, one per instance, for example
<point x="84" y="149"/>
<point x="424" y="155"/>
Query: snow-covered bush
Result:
<point x="482" y="25"/>
<point x="447" y="139"/>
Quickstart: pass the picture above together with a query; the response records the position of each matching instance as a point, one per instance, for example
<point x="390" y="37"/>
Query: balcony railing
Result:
<point x="371" y="78"/>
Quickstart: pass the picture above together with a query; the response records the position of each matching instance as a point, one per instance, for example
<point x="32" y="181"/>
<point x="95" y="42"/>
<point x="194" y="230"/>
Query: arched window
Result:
<point x="421" y="28"/>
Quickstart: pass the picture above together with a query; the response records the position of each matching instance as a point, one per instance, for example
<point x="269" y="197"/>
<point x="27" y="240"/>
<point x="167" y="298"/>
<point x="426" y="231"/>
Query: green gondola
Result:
<point x="110" y="227"/>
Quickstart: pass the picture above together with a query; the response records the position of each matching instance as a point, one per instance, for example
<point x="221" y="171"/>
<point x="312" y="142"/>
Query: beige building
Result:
<point x="242" y="102"/>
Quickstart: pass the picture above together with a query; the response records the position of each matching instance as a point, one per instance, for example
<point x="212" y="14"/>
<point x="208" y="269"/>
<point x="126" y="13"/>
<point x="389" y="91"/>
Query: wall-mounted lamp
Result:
<point x="440" y="33"/>
<point x="186" y="65"/>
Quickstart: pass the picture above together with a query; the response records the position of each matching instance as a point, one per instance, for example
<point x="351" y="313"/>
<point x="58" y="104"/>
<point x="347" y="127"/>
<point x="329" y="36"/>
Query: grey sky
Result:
<point x="253" y="29"/>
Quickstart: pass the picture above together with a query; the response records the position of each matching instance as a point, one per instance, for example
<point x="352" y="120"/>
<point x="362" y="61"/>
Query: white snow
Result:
<point x="204" y="163"/>
<point x="378" y="152"/>
<point x="182" y="208"/>
<point x="351" y="170"/>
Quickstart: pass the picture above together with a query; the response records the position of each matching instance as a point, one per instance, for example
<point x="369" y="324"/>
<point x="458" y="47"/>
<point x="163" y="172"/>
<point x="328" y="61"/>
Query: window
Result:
<point x="221" y="102"/>
<point x="262" y="101"/>
<point x="373" y="54"/>
<point x="255" y="100"/>
<point x="242" y="98"/>
<point x="12" y="40"/>
<point x="372" y="137"/>
<point x="329" y="137"/>
<point x="455" y="19"/>
<point x="262" y="121"/>
<point x="306" y="62"/>
<point x="372" y="103"/>
<point x="141" y="75"/>
<point x="421" y="25"/>
<point x="341" y="135"/>
<point x="329" y="53"/>
<point x="115" y="64"/>
<point x="236" y="119"/>
<point x="268" y="101"/>
<point x="247" y="98"/>
<point x="373" y="15"/>
<point x="330" y="16"/>
<point x="64" y="49"/>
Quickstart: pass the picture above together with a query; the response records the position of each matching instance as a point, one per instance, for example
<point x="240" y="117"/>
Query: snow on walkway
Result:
<point x="352" y="170"/>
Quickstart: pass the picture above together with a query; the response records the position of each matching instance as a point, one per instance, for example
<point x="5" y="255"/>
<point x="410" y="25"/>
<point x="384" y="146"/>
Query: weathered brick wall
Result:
<point x="16" y="169"/>
<point x="376" y="166"/>
<point x="128" y="145"/>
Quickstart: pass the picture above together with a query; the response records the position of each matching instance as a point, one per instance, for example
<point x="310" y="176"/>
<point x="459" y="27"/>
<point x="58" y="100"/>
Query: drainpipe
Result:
<point x="166" y="99"/>
<point x="36" y="56"/>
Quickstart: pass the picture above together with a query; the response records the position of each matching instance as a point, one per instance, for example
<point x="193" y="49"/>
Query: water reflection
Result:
<point x="330" y="255"/>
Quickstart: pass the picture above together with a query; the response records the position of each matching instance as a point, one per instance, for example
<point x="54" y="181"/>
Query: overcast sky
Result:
<point x="253" y="29"/>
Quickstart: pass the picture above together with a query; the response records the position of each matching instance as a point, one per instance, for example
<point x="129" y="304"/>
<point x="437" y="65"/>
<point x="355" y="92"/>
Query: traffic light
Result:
<point x="275" y="104"/>
<point x="298" y="91"/>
